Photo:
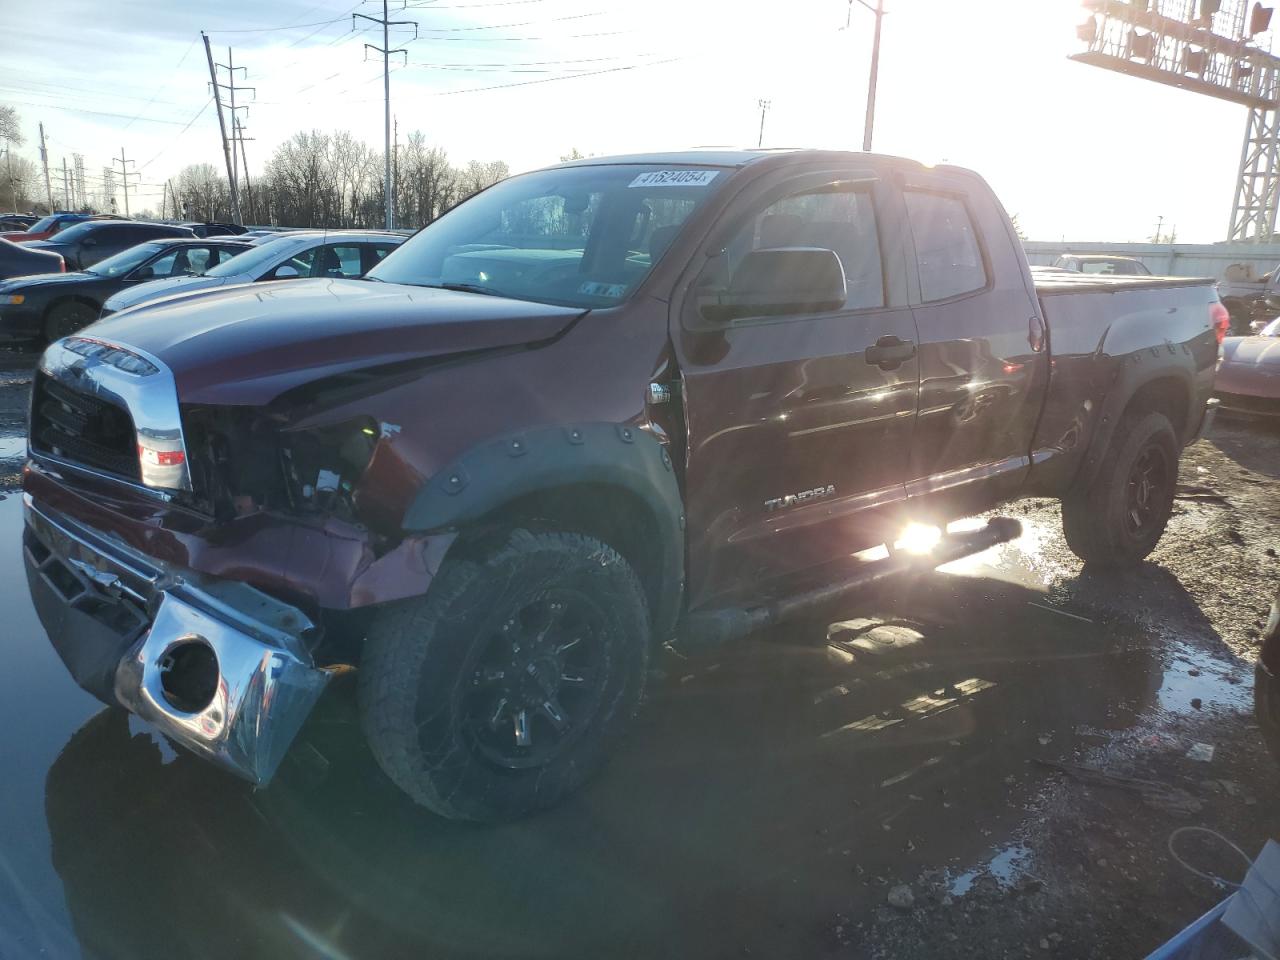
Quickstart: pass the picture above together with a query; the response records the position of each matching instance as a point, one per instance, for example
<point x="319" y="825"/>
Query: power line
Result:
<point x="96" y="113"/>
<point x="572" y="76"/>
<point x="507" y="26"/>
<point x="198" y="114"/>
<point x="191" y="46"/>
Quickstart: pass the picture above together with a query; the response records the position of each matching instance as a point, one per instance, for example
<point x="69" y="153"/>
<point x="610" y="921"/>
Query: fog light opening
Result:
<point x="189" y="675"/>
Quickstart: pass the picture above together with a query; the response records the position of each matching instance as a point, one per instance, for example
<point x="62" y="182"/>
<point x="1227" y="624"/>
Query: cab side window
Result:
<point x="339" y="261"/>
<point x="839" y="217"/>
<point x="947" y="252"/>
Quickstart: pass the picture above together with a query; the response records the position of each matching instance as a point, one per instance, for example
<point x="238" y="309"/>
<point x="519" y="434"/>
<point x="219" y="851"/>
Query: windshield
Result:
<point x="254" y="260"/>
<point x="40" y="226"/>
<point x="125" y="261"/>
<point x="579" y="236"/>
<point x="75" y="232"/>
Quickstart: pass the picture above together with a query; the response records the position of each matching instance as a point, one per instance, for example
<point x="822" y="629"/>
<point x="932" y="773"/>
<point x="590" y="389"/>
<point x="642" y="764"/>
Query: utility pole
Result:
<point x="237" y="140"/>
<point x="869" y="126"/>
<point x="164" y="200"/>
<point x="44" y="159"/>
<point x="395" y="166"/>
<point x="244" y="158"/>
<point x="386" y="89"/>
<point x="125" y="174"/>
<point x="764" y="106"/>
<point x="222" y="126"/>
<point x="66" y="188"/>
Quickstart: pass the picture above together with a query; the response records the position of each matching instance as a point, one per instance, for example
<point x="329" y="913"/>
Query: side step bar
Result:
<point x="710" y="628"/>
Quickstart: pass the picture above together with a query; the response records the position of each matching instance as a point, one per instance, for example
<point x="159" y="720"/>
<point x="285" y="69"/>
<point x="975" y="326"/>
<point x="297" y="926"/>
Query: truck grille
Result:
<point x="84" y="429"/>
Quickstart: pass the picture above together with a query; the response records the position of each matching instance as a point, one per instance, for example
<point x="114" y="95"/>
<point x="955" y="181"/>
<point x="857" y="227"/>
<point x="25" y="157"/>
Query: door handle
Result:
<point x="889" y="353"/>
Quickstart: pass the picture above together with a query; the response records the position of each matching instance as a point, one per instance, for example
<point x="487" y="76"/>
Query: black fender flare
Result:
<point x="1168" y="361"/>
<point x="515" y="465"/>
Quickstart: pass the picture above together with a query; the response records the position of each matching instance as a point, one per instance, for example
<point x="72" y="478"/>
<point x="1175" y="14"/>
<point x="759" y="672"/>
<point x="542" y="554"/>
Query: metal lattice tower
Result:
<point x="1253" y="214"/>
<point x="1205" y="47"/>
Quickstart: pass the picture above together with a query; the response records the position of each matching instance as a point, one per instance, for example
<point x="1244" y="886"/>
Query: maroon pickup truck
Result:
<point x="595" y="408"/>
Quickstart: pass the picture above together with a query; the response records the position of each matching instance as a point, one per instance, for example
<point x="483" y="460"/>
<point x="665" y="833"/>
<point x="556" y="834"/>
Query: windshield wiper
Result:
<point x="466" y="288"/>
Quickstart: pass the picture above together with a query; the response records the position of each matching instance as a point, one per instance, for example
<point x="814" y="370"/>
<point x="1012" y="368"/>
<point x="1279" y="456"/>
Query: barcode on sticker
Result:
<point x="674" y="178"/>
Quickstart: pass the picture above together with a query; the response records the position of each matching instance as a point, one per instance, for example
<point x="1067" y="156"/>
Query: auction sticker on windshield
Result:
<point x="674" y="178"/>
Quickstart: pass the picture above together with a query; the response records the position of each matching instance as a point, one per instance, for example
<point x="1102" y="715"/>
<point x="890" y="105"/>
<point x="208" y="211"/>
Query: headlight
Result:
<point x="12" y="299"/>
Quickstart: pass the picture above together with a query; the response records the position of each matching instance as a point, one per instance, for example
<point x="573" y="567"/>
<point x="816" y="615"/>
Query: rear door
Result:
<point x="798" y="439"/>
<point x="983" y="364"/>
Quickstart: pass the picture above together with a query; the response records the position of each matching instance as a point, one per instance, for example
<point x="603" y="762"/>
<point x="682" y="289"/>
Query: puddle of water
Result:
<point x="12" y="448"/>
<point x="1020" y="561"/>
<point x="1006" y="867"/>
<point x="1195" y="675"/>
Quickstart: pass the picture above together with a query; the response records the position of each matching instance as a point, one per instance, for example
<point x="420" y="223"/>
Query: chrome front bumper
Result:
<point x="216" y="665"/>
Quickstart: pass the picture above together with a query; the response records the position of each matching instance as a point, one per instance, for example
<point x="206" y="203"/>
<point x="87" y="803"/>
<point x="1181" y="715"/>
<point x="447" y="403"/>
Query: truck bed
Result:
<point x="1049" y="284"/>
<point x="1055" y="283"/>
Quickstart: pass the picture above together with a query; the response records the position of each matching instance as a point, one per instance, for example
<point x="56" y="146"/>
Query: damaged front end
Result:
<point x="217" y="665"/>
<point x="158" y="608"/>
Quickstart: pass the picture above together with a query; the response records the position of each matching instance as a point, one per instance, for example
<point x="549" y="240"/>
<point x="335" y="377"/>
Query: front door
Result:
<point x="983" y="364"/>
<point x="799" y="426"/>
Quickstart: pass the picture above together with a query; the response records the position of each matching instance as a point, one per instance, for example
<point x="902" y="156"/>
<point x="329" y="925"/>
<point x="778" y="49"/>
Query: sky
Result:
<point x="1076" y="152"/>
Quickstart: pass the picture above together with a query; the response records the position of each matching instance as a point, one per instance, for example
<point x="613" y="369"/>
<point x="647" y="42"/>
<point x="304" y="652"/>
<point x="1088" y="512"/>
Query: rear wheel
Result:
<point x="1120" y="518"/>
<point x="66" y="318"/>
<point x="505" y="687"/>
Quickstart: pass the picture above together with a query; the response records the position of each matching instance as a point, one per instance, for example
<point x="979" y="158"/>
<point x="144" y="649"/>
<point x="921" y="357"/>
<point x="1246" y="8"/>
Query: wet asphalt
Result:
<point x="762" y="790"/>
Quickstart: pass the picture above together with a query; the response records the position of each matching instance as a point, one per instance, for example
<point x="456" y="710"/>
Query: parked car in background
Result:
<point x="20" y="260"/>
<point x="1102" y="264"/>
<point x="1266" y="687"/>
<point x="47" y="227"/>
<point x="86" y="243"/>
<point x="16" y="221"/>
<point x="1248" y="378"/>
<point x="334" y="254"/>
<point x="260" y="234"/>
<point x="214" y="229"/>
<point x="1246" y="297"/>
<point x="590" y="409"/>
<point x="56" y="304"/>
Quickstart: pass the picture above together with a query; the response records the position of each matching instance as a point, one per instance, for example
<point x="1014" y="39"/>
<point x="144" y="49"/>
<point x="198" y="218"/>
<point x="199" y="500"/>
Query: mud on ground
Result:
<point x="1088" y="872"/>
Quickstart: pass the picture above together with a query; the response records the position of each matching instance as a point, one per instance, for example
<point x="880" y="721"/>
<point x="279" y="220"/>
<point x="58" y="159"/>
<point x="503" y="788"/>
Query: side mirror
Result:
<point x="286" y="272"/>
<point x="782" y="281"/>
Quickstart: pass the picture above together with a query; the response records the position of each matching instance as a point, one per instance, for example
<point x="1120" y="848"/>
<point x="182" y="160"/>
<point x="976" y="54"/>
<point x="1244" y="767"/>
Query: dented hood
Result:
<point x="248" y="344"/>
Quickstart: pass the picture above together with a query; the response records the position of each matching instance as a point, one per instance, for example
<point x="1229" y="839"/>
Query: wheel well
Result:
<point x="613" y="515"/>
<point x="1167" y="395"/>
<point x="62" y="301"/>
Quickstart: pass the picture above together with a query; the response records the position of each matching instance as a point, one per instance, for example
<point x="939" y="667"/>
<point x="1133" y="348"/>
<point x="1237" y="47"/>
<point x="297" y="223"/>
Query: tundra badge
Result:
<point x="804" y="496"/>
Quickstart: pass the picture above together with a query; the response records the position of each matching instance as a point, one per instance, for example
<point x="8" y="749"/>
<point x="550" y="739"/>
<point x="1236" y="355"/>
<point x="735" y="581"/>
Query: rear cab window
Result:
<point x="948" y="256"/>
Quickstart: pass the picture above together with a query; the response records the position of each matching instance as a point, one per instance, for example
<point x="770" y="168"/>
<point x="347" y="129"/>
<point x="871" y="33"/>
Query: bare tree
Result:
<point x="10" y="126"/>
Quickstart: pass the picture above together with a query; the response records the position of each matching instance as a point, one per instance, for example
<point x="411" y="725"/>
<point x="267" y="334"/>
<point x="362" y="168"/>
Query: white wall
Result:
<point x="1177" y="260"/>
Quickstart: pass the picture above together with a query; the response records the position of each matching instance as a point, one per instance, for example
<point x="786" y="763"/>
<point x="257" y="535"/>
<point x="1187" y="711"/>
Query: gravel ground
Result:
<point x="1088" y="870"/>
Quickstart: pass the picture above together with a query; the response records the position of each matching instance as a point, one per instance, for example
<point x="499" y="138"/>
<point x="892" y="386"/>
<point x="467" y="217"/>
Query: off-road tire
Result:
<point x="1098" y="521"/>
<point x="424" y="660"/>
<point x="66" y="318"/>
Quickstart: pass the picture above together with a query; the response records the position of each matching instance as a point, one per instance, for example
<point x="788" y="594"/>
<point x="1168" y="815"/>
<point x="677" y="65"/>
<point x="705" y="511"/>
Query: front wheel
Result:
<point x="66" y="318"/>
<point x="504" y="688"/>
<point x="1118" y="520"/>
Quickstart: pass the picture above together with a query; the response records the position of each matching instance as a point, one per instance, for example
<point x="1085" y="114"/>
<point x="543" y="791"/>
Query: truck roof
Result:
<point x="740" y="157"/>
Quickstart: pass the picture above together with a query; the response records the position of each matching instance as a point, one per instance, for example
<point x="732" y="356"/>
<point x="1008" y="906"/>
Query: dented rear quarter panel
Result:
<point x="1107" y="338"/>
